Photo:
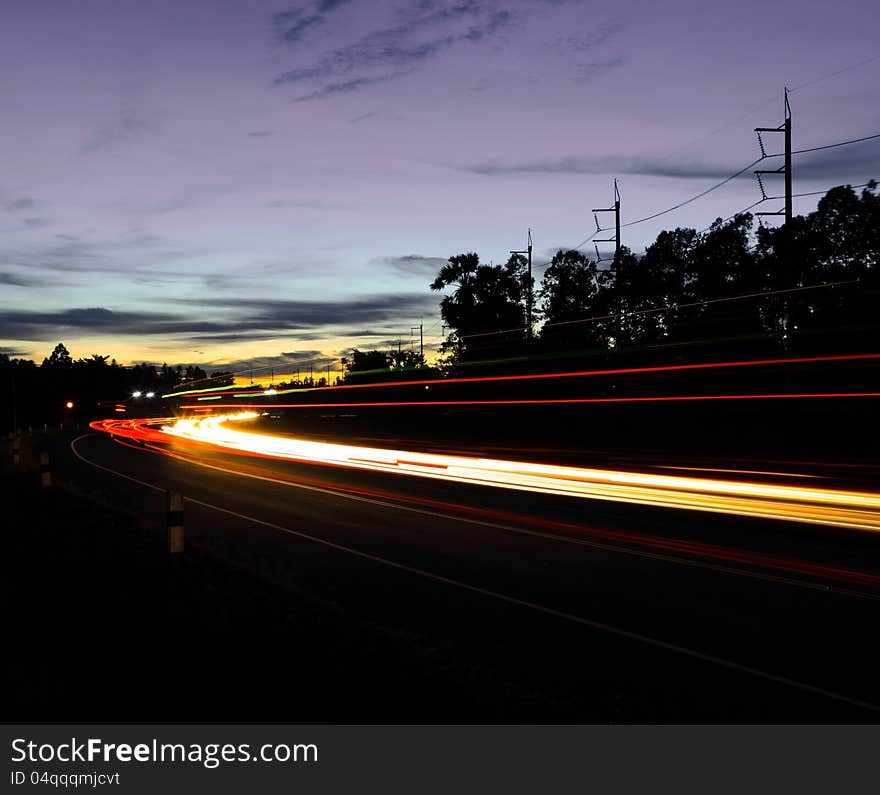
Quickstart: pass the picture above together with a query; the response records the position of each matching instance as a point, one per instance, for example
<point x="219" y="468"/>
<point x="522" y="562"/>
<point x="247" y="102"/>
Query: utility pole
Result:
<point x="786" y="258"/>
<point x="616" y="239"/>
<point x="785" y="128"/>
<point x="421" y="340"/>
<point x="529" y="295"/>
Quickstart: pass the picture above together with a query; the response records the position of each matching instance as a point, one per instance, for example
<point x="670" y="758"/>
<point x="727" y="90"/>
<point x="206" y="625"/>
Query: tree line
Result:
<point x="735" y="287"/>
<point x="737" y="284"/>
<point x="35" y="394"/>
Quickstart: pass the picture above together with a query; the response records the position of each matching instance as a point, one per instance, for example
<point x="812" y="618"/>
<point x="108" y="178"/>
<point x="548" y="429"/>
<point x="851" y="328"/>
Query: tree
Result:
<point x="566" y="299"/>
<point x="485" y="311"/>
<point x="667" y="263"/>
<point x="838" y="242"/>
<point x="60" y="357"/>
<point x="366" y="361"/>
<point x="722" y="265"/>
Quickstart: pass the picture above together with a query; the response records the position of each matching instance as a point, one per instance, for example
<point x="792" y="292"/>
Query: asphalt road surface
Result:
<point x="611" y="611"/>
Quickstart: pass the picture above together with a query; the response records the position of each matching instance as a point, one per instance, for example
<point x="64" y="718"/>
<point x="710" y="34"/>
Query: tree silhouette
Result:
<point x="567" y="296"/>
<point x="486" y="300"/>
<point x="60" y="357"/>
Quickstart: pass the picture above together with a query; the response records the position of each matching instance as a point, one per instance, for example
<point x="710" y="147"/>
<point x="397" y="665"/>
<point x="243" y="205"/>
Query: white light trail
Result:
<point x="851" y="509"/>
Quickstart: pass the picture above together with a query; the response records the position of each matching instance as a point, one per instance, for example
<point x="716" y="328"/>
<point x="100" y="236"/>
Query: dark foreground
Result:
<point x="441" y="616"/>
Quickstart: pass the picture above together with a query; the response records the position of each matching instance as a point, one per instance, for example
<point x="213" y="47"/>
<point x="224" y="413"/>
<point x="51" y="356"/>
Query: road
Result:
<point x="612" y="610"/>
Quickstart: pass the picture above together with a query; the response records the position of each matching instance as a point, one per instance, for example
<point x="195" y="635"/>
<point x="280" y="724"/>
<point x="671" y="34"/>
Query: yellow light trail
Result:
<point x="839" y="508"/>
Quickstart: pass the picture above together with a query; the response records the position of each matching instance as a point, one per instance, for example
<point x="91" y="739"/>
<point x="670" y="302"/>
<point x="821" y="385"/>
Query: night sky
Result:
<point x="251" y="182"/>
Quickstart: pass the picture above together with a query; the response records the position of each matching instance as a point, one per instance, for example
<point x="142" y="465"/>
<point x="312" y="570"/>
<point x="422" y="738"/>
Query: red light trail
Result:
<point x="669" y="368"/>
<point x="539" y="401"/>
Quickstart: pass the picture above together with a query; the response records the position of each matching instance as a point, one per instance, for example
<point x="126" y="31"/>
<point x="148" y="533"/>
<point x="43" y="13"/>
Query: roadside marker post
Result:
<point x="16" y="450"/>
<point x="174" y="522"/>
<point x="45" y="474"/>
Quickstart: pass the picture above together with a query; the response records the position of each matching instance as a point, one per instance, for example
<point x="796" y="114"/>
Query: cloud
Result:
<point x="115" y="132"/>
<point x="31" y="325"/>
<point x="64" y="253"/>
<point x="260" y="134"/>
<point x="305" y="204"/>
<point x="279" y="314"/>
<point x="584" y="72"/>
<point x="857" y="163"/>
<point x="282" y="363"/>
<point x="364" y="117"/>
<point x="415" y="263"/>
<point x="346" y="86"/>
<point x="16" y="280"/>
<point x="419" y="32"/>
<point x="37" y="223"/>
<point x="604" y="164"/>
<point x="292" y="26"/>
<point x="228" y="319"/>
<point x="24" y="203"/>
<point x="590" y="40"/>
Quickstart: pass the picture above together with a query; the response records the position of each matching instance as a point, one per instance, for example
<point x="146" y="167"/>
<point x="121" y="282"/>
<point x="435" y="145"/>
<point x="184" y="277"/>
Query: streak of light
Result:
<point x="740" y="471"/>
<point x="669" y="368"/>
<point x="851" y="509"/>
<point x="544" y="401"/>
<point x="652" y="546"/>
<point x="558" y="614"/>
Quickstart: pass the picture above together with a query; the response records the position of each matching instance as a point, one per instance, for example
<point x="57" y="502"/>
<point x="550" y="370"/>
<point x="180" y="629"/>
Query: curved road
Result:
<point x="613" y="611"/>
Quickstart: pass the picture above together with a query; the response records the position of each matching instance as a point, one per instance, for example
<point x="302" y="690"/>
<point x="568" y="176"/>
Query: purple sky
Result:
<point x="251" y="181"/>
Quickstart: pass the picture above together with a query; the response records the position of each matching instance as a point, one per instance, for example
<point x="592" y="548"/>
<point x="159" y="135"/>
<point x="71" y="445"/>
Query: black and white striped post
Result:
<point x="174" y="522"/>
<point x="45" y="474"/>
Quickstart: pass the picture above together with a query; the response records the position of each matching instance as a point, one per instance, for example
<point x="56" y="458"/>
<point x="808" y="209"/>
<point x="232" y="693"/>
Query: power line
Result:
<point x="829" y="146"/>
<point x="812" y="193"/>
<point x="835" y="73"/>
<point x="778" y="198"/>
<point x="675" y="307"/>
<point x="704" y="302"/>
<point x="694" y="198"/>
<point x="737" y="174"/>
<point x="740" y="212"/>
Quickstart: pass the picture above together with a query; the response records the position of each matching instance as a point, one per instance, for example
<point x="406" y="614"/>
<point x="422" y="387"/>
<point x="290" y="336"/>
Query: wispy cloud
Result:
<point x="585" y="41"/>
<point x="227" y="319"/>
<point x="604" y="164"/>
<point x="346" y="86"/>
<point x="858" y="163"/>
<point x="24" y="203"/>
<point x="414" y="263"/>
<point x="116" y="132"/>
<point x="294" y="25"/>
<point x="364" y="117"/>
<point x="418" y="32"/>
<point x="36" y="222"/>
<point x="267" y="313"/>
<point x="17" y="280"/>
<point x="591" y="70"/>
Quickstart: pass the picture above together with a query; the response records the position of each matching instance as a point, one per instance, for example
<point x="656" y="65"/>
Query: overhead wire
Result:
<point x="841" y="71"/>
